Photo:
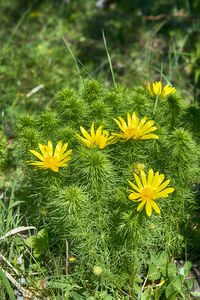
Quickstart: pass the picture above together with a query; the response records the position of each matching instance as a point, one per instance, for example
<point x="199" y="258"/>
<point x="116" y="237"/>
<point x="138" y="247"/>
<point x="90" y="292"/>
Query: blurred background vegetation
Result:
<point x="146" y="40"/>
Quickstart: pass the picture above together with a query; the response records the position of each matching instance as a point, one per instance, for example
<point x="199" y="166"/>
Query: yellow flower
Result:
<point x="148" y="190"/>
<point x="72" y="259"/>
<point x="100" y="138"/>
<point x="135" y="128"/>
<point x="36" y="14"/>
<point x="156" y="89"/>
<point x="139" y="167"/>
<point x="161" y="283"/>
<point x="50" y="160"/>
<point x="97" y="270"/>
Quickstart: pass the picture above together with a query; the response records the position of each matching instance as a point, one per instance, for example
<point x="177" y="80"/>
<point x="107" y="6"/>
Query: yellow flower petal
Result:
<point x="138" y="181"/>
<point x="150" y="176"/>
<point x="129" y="119"/>
<point x="123" y="123"/>
<point x="85" y="141"/>
<point x="155" y="181"/>
<point x="161" y="178"/>
<point x="135" y="120"/>
<point x="143" y="176"/>
<point x="149" y="89"/>
<point x="37" y="154"/>
<point x="163" y="185"/>
<point x="134" y="186"/>
<point x="58" y="149"/>
<point x="140" y="206"/>
<point x="67" y="153"/>
<point x="149" y="136"/>
<point x="92" y="130"/>
<point x="134" y="196"/>
<point x="49" y="148"/>
<point x="119" y="124"/>
<point x="155" y="207"/>
<point x="55" y="169"/>
<point x="99" y="133"/>
<point x="63" y="163"/>
<point x="148" y="208"/>
<point x="147" y="125"/>
<point x="85" y="134"/>
<point x="168" y="90"/>
<point x="151" y="129"/>
<point x="64" y="147"/>
<point x="106" y="133"/>
<point x="157" y="88"/>
<point x="36" y="163"/>
<point x="42" y="149"/>
<point x="142" y="122"/>
<point x="165" y="193"/>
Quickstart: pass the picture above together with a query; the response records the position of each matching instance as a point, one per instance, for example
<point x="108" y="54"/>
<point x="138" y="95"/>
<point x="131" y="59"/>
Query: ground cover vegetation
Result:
<point x="99" y="150"/>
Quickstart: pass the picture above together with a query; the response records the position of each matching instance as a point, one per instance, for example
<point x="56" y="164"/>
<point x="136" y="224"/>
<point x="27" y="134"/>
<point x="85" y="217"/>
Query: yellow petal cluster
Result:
<point x="97" y="270"/>
<point x="156" y="89"/>
<point x="139" y="167"/>
<point x="148" y="189"/>
<point x="49" y="159"/>
<point x="135" y="128"/>
<point x="99" y="138"/>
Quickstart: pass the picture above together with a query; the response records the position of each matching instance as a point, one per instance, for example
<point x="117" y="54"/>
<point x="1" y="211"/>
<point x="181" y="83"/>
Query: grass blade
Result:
<point x="7" y="285"/>
<point x="75" y="60"/>
<point x="109" y="59"/>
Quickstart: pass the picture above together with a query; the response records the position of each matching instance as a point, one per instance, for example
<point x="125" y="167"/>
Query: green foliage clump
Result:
<point x="86" y="203"/>
<point x="3" y="151"/>
<point x="70" y="106"/>
<point x="38" y="243"/>
<point x="191" y="119"/>
<point x="174" y="279"/>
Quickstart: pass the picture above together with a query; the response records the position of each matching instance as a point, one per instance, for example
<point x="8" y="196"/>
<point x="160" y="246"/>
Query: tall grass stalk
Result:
<point x="75" y="60"/>
<point x="109" y="59"/>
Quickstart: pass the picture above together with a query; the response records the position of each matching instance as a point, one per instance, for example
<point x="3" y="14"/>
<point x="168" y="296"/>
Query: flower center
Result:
<point x="148" y="193"/>
<point x="131" y="132"/>
<point x="50" y="161"/>
<point x="100" y="141"/>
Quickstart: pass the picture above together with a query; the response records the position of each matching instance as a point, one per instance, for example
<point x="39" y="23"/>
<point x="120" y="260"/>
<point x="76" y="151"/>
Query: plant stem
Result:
<point x="155" y="105"/>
